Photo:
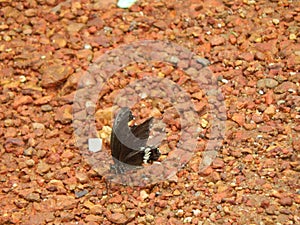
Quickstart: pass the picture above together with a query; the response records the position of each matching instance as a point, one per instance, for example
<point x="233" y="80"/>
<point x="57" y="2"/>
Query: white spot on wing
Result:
<point x="146" y="157"/>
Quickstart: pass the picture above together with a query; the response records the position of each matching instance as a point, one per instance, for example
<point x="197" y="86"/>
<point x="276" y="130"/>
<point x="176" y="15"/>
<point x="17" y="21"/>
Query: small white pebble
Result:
<point x="224" y="81"/>
<point x="208" y="32"/>
<point x="95" y="144"/>
<point x="143" y="95"/>
<point x="6" y="38"/>
<point x="196" y="212"/>
<point x="275" y="21"/>
<point x="107" y="29"/>
<point x="87" y="46"/>
<point x="22" y="78"/>
<point x="292" y="37"/>
<point x="124" y="4"/>
<point x="219" y="25"/>
<point x="187" y="219"/>
<point x="144" y="194"/>
<point x="43" y="57"/>
<point x="89" y="104"/>
<point x="179" y="212"/>
<point x="232" y="184"/>
<point x="279" y="102"/>
<point x="261" y="92"/>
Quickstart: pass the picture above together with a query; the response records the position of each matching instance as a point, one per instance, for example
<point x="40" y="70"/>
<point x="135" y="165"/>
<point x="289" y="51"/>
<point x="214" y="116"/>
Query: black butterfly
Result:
<point x="128" y="144"/>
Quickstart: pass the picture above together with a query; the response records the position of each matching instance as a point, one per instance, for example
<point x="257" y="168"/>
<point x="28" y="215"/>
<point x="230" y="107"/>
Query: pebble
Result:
<point x="96" y="209"/>
<point x="95" y="144"/>
<point x="38" y="126"/>
<point x="218" y="163"/>
<point x="63" y="202"/>
<point x="276" y="21"/>
<point x="82" y="177"/>
<point x="292" y="36"/>
<point x="42" y="168"/>
<point x="203" y="61"/>
<point x="30" y="162"/>
<point x="87" y="46"/>
<point x="176" y="192"/>
<point x="284" y="87"/>
<point x="286" y="201"/>
<point x="55" y="74"/>
<point x="204" y="123"/>
<point x="187" y="220"/>
<point x="23" y="79"/>
<point x="8" y="122"/>
<point x="21" y="203"/>
<point x="33" y="197"/>
<point x="105" y="132"/>
<point x="196" y="212"/>
<point x="64" y="114"/>
<point x="46" y="108"/>
<point x="267" y="82"/>
<point x="124" y="4"/>
<point x="270" y="110"/>
<point x="80" y="194"/>
<point x="22" y="100"/>
<point x="247" y="56"/>
<point x="117" y="218"/>
<point x="29" y="151"/>
<point x="224" y="81"/>
<point x="74" y="27"/>
<point x="179" y="213"/>
<point x="174" y="60"/>
<point x="144" y="195"/>
<point x="217" y="40"/>
<point x="92" y="219"/>
<point x="239" y="118"/>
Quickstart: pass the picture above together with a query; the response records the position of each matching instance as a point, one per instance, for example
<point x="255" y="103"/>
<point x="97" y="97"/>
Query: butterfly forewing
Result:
<point x="142" y="131"/>
<point x="120" y="128"/>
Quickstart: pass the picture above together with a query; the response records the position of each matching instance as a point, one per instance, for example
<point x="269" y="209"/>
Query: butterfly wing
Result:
<point x="120" y="124"/>
<point x="142" y="131"/>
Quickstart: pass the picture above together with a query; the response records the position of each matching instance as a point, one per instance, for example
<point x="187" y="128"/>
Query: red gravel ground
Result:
<point x="254" y="49"/>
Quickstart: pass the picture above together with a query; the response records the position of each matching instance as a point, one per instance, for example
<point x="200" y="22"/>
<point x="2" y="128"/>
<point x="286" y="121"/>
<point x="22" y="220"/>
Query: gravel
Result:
<point x="252" y="49"/>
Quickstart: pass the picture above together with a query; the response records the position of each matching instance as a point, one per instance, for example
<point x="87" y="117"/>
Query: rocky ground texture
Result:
<point x="254" y="50"/>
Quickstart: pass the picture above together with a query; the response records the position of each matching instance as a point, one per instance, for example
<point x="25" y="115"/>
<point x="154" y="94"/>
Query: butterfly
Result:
<point x="129" y="143"/>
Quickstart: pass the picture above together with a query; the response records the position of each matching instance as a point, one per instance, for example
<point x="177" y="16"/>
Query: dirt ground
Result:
<point x="46" y="48"/>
